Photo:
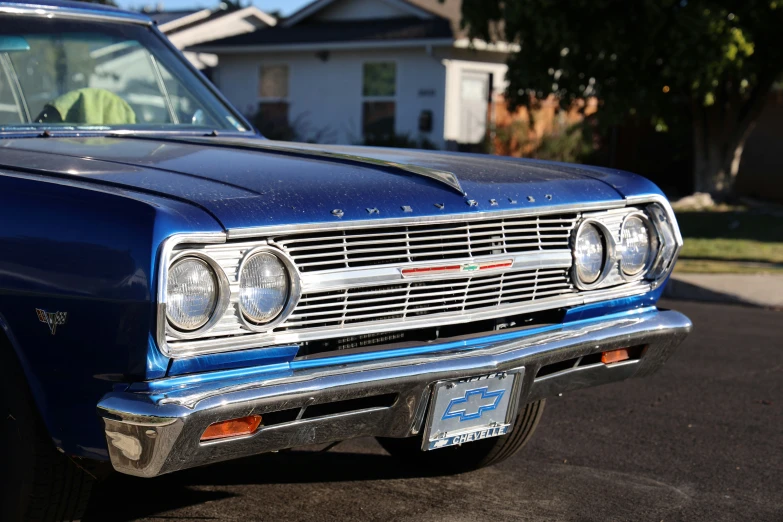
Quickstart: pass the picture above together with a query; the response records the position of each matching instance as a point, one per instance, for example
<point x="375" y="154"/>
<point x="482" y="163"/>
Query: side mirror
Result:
<point x="13" y="44"/>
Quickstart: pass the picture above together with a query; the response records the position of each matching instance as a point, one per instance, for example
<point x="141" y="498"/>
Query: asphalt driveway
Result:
<point x="700" y="440"/>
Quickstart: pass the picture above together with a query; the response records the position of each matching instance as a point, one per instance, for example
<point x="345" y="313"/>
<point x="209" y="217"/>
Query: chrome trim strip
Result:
<point x="243" y="233"/>
<point x="166" y="427"/>
<point x="371" y="276"/>
<point x="216" y="345"/>
<point x="51" y="11"/>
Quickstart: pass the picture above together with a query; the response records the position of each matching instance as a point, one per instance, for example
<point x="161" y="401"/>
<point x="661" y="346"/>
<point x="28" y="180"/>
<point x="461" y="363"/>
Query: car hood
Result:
<point x="251" y="182"/>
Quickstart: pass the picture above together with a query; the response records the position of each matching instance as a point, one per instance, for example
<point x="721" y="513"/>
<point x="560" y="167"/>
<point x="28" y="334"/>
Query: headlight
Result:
<point x="637" y="245"/>
<point x="264" y="287"/>
<point x="589" y="254"/>
<point x="192" y="294"/>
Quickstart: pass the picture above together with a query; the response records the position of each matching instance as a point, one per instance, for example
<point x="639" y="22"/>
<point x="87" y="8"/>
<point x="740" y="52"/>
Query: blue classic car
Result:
<point x="176" y="290"/>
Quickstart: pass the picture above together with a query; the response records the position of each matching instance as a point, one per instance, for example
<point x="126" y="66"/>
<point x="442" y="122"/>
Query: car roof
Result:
<point x="76" y="8"/>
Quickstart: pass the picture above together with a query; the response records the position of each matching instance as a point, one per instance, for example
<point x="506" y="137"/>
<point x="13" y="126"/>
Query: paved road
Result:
<point x="700" y="440"/>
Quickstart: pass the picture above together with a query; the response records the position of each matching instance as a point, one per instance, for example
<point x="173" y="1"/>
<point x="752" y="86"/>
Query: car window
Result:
<point x="55" y="66"/>
<point x="185" y="105"/>
<point x="9" y="109"/>
<point x="81" y="73"/>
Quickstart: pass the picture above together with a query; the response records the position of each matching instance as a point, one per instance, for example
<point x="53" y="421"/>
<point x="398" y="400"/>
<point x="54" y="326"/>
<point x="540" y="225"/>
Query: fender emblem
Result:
<point x="53" y="320"/>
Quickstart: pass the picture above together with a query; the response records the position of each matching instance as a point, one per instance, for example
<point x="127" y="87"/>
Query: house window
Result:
<point x="273" y="81"/>
<point x="379" y="90"/>
<point x="272" y="118"/>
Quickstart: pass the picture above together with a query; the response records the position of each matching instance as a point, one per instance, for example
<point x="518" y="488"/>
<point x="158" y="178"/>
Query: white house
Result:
<point x="192" y="27"/>
<point x="341" y="70"/>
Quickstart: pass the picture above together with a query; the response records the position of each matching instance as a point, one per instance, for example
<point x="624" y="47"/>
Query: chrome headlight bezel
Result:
<point x="609" y="251"/>
<point x="294" y="288"/>
<point x="222" y="300"/>
<point x="652" y="250"/>
<point x="669" y="242"/>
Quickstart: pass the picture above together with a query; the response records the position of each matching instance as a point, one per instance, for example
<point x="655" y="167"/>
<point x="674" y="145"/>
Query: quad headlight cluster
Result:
<point x="644" y="248"/>
<point x="198" y="292"/>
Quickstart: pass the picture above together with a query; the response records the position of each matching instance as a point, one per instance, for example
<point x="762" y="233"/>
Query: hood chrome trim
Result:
<point x="442" y="176"/>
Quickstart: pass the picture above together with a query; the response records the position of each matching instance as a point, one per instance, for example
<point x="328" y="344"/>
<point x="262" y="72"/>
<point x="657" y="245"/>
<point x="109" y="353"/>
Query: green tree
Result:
<point x="709" y="64"/>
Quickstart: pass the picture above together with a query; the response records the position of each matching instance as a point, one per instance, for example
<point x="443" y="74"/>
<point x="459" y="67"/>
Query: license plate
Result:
<point x="472" y="409"/>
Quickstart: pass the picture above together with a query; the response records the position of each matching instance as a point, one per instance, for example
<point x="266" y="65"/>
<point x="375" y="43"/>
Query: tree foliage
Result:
<point x="705" y="63"/>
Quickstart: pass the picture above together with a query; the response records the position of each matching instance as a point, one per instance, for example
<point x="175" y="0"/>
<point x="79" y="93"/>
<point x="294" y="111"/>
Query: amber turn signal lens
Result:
<point x="615" y="356"/>
<point x="232" y="428"/>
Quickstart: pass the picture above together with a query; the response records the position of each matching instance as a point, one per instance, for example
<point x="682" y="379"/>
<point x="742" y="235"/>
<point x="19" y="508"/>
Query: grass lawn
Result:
<point x="724" y="267"/>
<point x="735" y="240"/>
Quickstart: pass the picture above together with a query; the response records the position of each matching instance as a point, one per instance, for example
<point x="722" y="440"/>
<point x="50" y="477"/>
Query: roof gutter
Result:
<point x="78" y="13"/>
<point x="323" y="46"/>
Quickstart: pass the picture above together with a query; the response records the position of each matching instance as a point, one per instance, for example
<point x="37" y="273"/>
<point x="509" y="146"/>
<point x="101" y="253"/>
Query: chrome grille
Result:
<point x="420" y="298"/>
<point x="352" y="282"/>
<point x="337" y="249"/>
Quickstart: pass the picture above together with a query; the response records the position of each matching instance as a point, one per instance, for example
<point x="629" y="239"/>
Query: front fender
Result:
<point x="87" y="254"/>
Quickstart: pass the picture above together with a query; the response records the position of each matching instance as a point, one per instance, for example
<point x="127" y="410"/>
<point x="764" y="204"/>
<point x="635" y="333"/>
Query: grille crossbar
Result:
<point x="418" y="298"/>
<point x="416" y="243"/>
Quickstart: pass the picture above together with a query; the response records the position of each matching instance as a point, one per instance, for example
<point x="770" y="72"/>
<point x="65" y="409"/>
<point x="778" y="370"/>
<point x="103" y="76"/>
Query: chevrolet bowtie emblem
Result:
<point x="465" y="267"/>
<point x="473" y="404"/>
<point x="53" y="320"/>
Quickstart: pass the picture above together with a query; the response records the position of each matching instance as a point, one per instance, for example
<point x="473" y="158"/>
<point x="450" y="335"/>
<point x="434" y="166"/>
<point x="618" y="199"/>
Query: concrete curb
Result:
<point x="677" y="289"/>
<point x="727" y="288"/>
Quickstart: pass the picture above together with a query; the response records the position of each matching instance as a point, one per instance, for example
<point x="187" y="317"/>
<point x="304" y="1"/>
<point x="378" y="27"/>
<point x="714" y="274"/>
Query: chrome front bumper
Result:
<point x="152" y="434"/>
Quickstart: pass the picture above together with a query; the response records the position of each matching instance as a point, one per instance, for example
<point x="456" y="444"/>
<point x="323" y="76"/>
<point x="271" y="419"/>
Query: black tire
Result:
<point x="39" y="483"/>
<point x="468" y="456"/>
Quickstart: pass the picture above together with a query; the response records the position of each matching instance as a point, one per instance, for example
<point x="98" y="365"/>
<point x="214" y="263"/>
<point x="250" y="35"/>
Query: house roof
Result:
<point x="188" y="24"/>
<point x="317" y="6"/>
<point x="408" y="28"/>
<point x="164" y="17"/>
<point x="451" y="10"/>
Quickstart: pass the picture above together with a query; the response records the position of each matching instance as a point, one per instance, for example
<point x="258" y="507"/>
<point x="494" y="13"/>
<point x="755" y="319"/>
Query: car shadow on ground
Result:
<point x="110" y="499"/>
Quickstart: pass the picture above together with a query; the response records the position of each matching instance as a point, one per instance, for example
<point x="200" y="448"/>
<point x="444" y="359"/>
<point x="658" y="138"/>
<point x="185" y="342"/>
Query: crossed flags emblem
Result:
<point x="54" y="319"/>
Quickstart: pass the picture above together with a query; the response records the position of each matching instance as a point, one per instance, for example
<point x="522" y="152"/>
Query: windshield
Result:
<point x="57" y="74"/>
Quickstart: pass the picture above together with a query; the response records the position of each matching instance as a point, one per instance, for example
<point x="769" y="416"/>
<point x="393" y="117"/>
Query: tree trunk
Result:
<point x="716" y="152"/>
<point x="719" y="135"/>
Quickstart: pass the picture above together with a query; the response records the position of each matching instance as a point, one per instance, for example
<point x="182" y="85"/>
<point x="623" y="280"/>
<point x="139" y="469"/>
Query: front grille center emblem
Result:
<point x="465" y="267"/>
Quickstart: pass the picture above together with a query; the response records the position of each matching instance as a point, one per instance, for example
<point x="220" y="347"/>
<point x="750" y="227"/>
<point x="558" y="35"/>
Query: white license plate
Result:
<point x="472" y="409"/>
